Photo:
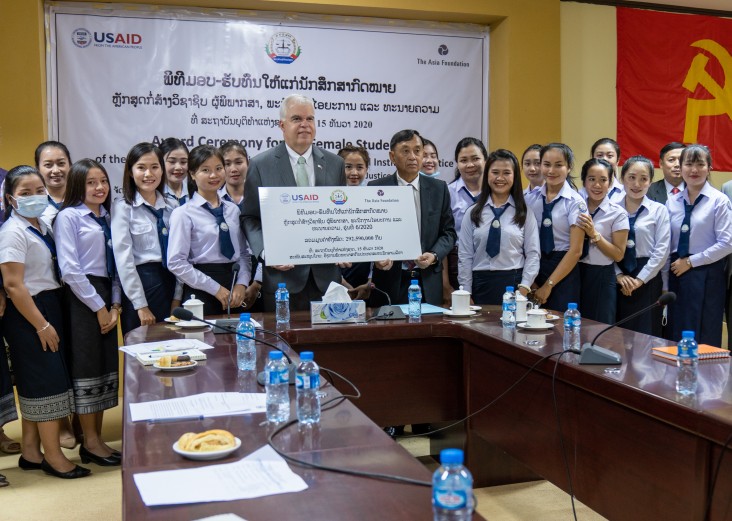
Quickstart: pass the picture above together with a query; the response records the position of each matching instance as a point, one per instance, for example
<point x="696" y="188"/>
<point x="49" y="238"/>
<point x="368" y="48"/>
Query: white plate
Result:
<point x="449" y="313"/>
<point x="179" y="368"/>
<point x="525" y="325"/>
<point x="206" y="456"/>
<point x="552" y="318"/>
<point x="191" y="324"/>
<point x="473" y="308"/>
<point x="170" y="320"/>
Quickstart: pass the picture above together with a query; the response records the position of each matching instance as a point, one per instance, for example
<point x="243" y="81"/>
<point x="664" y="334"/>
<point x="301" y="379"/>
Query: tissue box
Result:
<point x="337" y="312"/>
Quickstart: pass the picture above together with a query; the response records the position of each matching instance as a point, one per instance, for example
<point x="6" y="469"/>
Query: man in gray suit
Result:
<point x="671" y="168"/>
<point x="435" y="220"/>
<point x="293" y="162"/>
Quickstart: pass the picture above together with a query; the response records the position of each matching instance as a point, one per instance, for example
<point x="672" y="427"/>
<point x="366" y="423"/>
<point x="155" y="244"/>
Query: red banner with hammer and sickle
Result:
<point x="674" y="83"/>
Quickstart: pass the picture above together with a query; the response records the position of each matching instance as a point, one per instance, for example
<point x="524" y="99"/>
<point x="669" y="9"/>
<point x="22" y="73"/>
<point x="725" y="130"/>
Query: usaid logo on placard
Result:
<point x="304" y="198"/>
<point x="84" y="38"/>
<point x="283" y="48"/>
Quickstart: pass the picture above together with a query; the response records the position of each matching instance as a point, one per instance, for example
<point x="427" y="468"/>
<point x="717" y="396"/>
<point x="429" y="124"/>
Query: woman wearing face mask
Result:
<point x="36" y="340"/>
<point x="430" y="159"/>
<point x="53" y="161"/>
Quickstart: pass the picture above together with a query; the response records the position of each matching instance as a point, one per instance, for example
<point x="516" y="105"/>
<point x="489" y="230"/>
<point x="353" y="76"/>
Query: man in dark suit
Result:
<point x="671" y="168"/>
<point x="434" y="217"/>
<point x="293" y="162"/>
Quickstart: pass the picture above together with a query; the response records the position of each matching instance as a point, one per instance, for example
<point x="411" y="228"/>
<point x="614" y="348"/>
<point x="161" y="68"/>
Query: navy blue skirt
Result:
<point x="8" y="412"/>
<point x="700" y="299"/>
<point x="159" y="286"/>
<point x="565" y="291"/>
<point x="598" y="294"/>
<point x="650" y="321"/>
<point x="222" y="274"/>
<point x="489" y="286"/>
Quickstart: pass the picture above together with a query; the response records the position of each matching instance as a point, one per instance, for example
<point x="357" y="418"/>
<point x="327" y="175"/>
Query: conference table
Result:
<point x="634" y="448"/>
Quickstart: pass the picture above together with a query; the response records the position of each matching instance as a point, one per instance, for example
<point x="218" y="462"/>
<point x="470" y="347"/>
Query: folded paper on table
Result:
<point x="165" y="346"/>
<point x="262" y="473"/>
<point x="427" y="309"/>
<point x="203" y="405"/>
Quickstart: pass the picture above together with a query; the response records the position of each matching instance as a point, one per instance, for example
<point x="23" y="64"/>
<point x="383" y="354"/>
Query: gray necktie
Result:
<point x="301" y="174"/>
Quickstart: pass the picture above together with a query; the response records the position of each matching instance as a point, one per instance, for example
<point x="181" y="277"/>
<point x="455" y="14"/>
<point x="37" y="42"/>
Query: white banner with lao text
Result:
<point x="328" y="224"/>
<point x="119" y="76"/>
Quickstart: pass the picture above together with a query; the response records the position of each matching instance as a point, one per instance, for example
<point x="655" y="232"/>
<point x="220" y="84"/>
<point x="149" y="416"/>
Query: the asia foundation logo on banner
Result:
<point x="83" y="38"/>
<point x="283" y="48"/>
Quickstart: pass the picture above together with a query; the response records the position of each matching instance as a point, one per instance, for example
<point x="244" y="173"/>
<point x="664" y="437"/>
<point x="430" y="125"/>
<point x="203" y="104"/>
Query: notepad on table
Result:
<point x="706" y="352"/>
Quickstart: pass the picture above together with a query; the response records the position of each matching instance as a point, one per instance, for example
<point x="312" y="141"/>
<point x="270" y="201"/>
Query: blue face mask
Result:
<point x="31" y="206"/>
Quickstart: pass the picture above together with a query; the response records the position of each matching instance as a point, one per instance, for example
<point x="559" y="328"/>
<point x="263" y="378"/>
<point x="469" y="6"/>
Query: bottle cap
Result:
<point x="509" y="289"/>
<point x="572" y="305"/>
<point x="451" y="456"/>
<point x="281" y="285"/>
<point x="687" y="334"/>
<point x="275" y="355"/>
<point x="306" y="356"/>
<point x="245" y="317"/>
<point x="414" y="282"/>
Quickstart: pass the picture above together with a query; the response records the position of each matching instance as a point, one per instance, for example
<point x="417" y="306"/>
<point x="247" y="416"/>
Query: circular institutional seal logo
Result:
<point x="338" y="197"/>
<point x="81" y="37"/>
<point x="631" y="244"/>
<point x="285" y="198"/>
<point x="547" y="222"/>
<point x="283" y="48"/>
<point x="496" y="224"/>
<point x="582" y="207"/>
<point x="685" y="228"/>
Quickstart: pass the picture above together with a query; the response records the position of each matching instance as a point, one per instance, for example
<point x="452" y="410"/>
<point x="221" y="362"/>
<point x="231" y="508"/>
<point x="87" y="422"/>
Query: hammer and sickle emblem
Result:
<point x="698" y="75"/>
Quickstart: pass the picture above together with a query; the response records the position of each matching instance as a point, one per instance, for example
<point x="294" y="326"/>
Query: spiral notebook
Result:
<point x="706" y="352"/>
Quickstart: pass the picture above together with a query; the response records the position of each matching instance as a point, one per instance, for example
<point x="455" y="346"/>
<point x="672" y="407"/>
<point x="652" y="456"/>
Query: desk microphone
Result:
<point x="387" y="312"/>
<point x="234" y="273"/>
<point x="596" y="355"/>
<point x="185" y="314"/>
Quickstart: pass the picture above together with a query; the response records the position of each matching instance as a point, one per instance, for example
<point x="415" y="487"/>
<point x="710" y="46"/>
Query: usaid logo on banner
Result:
<point x="283" y="48"/>
<point x="84" y="38"/>
<point x="81" y="37"/>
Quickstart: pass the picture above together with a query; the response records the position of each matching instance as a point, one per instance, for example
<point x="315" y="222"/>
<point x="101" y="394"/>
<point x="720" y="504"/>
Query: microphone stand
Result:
<point x="184" y="314"/>
<point x="387" y="312"/>
<point x="223" y="323"/>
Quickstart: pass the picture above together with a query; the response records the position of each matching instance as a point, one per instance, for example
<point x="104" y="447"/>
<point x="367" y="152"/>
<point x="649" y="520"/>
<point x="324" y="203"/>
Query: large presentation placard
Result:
<point x="117" y="77"/>
<point x="327" y="224"/>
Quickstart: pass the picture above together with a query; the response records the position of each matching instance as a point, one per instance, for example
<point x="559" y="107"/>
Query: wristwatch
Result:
<point x="437" y="259"/>
<point x="688" y="262"/>
<point x="596" y="238"/>
<point x="550" y="282"/>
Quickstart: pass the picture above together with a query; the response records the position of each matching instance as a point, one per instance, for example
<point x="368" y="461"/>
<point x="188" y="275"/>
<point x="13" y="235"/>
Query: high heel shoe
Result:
<point x="78" y="472"/>
<point x="109" y="461"/>
<point x="24" y="464"/>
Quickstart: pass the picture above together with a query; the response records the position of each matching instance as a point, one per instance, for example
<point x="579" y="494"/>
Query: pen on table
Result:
<point x="176" y="419"/>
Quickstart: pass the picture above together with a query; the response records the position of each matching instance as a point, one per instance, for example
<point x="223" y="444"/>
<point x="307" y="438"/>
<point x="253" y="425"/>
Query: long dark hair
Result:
<point x="517" y="191"/>
<point x="76" y="184"/>
<point x="12" y="178"/>
<point x="196" y="158"/>
<point x="129" y="188"/>
<point x="568" y="158"/>
<point x="464" y="143"/>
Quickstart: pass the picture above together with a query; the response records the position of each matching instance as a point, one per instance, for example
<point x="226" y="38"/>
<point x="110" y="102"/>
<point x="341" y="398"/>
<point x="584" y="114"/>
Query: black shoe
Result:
<point x="109" y="461"/>
<point x="394" y="430"/>
<point x="24" y="464"/>
<point x="78" y="472"/>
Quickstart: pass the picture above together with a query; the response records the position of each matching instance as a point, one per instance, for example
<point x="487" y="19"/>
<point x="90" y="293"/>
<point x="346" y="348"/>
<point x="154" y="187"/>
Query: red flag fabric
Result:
<point x="674" y="83"/>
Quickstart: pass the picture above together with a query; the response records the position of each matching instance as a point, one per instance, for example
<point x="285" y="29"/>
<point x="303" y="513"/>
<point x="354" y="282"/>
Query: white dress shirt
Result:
<point x="519" y="245"/>
<point x="309" y="163"/>
<point x="609" y="218"/>
<point x="171" y="199"/>
<point x="564" y="213"/>
<point x="19" y="244"/>
<point x="194" y="239"/>
<point x="460" y="200"/>
<point x="81" y="249"/>
<point x="652" y="238"/>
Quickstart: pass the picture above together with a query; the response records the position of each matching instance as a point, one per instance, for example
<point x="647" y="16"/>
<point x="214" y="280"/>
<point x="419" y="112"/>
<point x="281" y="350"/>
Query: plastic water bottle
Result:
<point x="452" y="488"/>
<point x="572" y="325"/>
<point x="508" y="318"/>
<point x="307" y="383"/>
<point x="415" y="299"/>
<point x="277" y="384"/>
<point x="282" y="304"/>
<point x="687" y="364"/>
<point x="246" y="351"/>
